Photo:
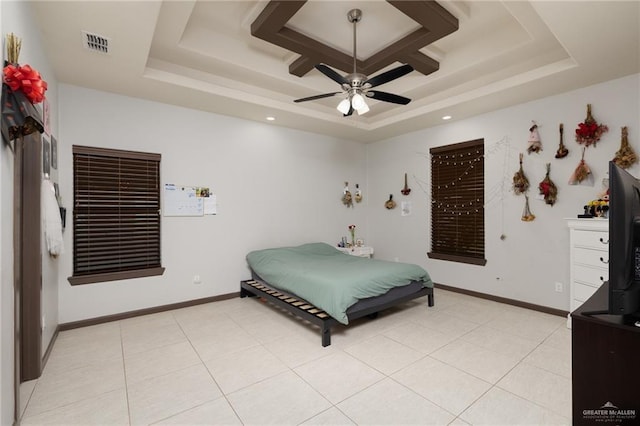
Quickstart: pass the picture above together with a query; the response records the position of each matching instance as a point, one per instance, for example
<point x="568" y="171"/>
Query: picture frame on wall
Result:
<point x="46" y="156"/>
<point x="46" y="116"/>
<point x="54" y="153"/>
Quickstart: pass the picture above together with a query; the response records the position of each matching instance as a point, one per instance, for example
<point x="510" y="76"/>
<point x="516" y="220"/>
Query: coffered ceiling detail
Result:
<point x="435" y="23"/>
<point x="202" y="54"/>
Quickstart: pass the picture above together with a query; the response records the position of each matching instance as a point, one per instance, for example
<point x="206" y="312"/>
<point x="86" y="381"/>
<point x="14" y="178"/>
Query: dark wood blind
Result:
<point x="116" y="214"/>
<point x="457" y="202"/>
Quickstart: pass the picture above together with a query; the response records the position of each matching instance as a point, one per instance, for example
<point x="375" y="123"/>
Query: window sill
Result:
<point x="458" y="259"/>
<point x="115" y="276"/>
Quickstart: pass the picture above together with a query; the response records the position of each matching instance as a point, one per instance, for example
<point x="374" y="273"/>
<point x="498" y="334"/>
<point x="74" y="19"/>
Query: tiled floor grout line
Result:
<point x="342" y="348"/>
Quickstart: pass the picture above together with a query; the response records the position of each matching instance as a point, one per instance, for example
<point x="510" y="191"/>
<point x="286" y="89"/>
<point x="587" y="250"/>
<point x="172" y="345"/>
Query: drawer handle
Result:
<point x="602" y="279"/>
<point x="604" y="261"/>
<point x="603" y="241"/>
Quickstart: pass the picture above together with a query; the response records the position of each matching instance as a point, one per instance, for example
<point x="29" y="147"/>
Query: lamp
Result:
<point x="356" y="101"/>
<point x="344" y="106"/>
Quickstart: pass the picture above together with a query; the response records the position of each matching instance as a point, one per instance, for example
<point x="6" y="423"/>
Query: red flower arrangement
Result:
<point x="26" y="79"/>
<point x="589" y="132"/>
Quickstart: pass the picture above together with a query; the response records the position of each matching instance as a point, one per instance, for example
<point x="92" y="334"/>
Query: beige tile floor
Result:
<point x="465" y="361"/>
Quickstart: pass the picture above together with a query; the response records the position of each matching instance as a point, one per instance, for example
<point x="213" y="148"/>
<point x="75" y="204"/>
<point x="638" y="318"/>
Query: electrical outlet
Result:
<point x="196" y="279"/>
<point x="559" y="287"/>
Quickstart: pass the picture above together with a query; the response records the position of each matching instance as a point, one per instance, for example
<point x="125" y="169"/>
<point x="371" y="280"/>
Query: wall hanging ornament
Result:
<point x="562" y="150"/>
<point x="625" y="156"/>
<point x="534" y="139"/>
<point x="548" y="189"/>
<point x="589" y="132"/>
<point x="582" y="173"/>
<point x="358" y="194"/>
<point x="22" y="87"/>
<point x="527" y="216"/>
<point x="406" y="190"/>
<point x="390" y="204"/>
<point x="347" y="200"/>
<point x="520" y="181"/>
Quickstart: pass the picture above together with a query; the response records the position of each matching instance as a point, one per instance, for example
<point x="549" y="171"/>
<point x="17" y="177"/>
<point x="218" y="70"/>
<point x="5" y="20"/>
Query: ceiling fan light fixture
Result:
<point x="363" y="110"/>
<point x="357" y="101"/>
<point x="344" y="106"/>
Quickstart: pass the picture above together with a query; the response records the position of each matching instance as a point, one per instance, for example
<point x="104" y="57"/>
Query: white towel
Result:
<point x="52" y="222"/>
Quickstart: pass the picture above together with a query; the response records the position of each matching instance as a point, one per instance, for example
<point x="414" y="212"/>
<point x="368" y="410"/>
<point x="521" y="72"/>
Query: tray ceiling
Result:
<point x="202" y="55"/>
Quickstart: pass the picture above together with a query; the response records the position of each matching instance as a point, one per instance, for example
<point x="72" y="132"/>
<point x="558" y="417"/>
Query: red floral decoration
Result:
<point x="26" y="79"/>
<point x="589" y="132"/>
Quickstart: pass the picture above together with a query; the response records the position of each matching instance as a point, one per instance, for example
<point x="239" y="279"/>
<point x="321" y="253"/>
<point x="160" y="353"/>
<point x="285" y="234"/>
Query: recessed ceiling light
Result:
<point x="270" y="118"/>
<point x="446" y="117"/>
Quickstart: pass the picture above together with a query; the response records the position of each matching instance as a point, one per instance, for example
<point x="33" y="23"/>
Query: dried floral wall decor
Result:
<point x="406" y="190"/>
<point x="582" y="173"/>
<point x="625" y="156"/>
<point x="520" y="181"/>
<point x="347" y="199"/>
<point x="562" y="150"/>
<point x="527" y="216"/>
<point x="22" y="87"/>
<point x="548" y="189"/>
<point x="534" y="139"/>
<point x="390" y="204"/>
<point x="358" y="194"/>
<point x="589" y="132"/>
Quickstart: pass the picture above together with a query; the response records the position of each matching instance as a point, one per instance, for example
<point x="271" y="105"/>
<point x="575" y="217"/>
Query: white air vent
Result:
<point x="95" y="42"/>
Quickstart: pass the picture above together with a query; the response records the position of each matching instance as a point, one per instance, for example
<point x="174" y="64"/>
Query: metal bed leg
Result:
<point x="246" y="293"/>
<point x="326" y="336"/>
<point x="430" y="299"/>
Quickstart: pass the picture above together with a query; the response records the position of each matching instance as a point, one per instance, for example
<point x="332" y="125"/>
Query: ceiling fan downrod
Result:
<point x="354" y="16"/>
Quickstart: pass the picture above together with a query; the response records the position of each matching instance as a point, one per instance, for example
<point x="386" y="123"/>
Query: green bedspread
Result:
<point x="330" y="279"/>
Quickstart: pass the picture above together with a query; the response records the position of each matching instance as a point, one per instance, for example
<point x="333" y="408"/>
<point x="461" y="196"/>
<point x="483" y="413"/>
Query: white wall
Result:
<point x="274" y="186"/>
<point x="534" y="256"/>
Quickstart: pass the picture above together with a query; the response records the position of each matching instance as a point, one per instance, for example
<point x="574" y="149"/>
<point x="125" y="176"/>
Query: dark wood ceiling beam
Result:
<point x="430" y="15"/>
<point x="435" y="20"/>
<point x="421" y="62"/>
<point x="274" y="17"/>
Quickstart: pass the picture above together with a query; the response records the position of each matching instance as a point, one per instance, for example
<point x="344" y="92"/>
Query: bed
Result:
<point x="327" y="287"/>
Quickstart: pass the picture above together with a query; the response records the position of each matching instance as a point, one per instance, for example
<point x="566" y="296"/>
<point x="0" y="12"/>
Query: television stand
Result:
<point x="605" y="365"/>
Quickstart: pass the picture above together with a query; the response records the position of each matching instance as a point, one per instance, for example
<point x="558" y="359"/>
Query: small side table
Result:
<point x="357" y="251"/>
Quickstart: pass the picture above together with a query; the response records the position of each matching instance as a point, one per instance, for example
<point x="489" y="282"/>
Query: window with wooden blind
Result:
<point x="457" y="202"/>
<point x="116" y="215"/>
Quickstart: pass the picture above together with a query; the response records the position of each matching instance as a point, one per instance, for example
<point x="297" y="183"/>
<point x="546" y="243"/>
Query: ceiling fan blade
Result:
<point x="387" y="97"/>
<point x="387" y="76"/>
<point x="313" y="98"/>
<point x="333" y="75"/>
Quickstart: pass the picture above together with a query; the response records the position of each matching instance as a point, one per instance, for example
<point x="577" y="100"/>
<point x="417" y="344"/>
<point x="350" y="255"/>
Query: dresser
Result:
<point x="588" y="258"/>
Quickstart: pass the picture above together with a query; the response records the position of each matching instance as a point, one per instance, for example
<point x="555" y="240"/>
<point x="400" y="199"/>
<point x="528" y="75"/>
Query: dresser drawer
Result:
<point x="582" y="292"/>
<point x="593" y="277"/>
<point x="591" y="257"/>
<point x="591" y="239"/>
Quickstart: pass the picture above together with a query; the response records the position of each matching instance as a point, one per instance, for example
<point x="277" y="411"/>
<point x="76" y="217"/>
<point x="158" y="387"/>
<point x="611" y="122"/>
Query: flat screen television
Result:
<point x="624" y="244"/>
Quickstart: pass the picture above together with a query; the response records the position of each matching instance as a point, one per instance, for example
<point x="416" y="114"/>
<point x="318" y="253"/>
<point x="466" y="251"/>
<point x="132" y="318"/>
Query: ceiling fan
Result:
<point x="357" y="86"/>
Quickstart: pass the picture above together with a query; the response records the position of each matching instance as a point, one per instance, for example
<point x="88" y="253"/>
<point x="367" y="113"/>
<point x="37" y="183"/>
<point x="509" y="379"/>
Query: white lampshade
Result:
<point x="364" y="109"/>
<point x="344" y="106"/>
<point x="357" y="101"/>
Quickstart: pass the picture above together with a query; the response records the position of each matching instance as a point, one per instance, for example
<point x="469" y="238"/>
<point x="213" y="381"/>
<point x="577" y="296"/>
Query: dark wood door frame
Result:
<point x="17" y="271"/>
<point x="31" y="259"/>
<point x="27" y="262"/>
